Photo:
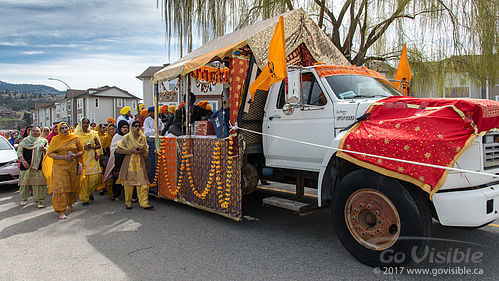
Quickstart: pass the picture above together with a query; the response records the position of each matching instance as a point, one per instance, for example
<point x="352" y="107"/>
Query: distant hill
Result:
<point x="22" y="97"/>
<point x="29" y="88"/>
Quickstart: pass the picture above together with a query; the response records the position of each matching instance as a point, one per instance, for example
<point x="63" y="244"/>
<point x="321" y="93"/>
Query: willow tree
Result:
<point x="454" y="35"/>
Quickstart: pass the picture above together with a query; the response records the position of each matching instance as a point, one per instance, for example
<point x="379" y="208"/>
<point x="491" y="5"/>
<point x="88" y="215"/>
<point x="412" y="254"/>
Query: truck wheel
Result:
<point x="378" y="220"/>
<point x="250" y="178"/>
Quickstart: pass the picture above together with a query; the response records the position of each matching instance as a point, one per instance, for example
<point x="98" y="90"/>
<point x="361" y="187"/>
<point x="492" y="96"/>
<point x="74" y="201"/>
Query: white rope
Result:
<point x="235" y="127"/>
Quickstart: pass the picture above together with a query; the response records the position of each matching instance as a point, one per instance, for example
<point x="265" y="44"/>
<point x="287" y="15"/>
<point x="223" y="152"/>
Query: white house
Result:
<point x="97" y="104"/>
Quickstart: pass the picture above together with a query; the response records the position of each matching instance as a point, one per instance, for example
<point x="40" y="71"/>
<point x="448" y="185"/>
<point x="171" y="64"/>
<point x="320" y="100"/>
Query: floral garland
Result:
<point x="224" y="202"/>
<point x="214" y="173"/>
<point x="170" y="94"/>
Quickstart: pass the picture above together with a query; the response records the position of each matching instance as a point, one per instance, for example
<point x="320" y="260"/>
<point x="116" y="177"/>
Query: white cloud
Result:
<point x="84" y="72"/>
<point x="12" y="44"/>
<point x="33" y="52"/>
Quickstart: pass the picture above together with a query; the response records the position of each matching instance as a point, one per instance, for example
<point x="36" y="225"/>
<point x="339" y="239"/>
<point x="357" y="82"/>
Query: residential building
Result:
<point x="97" y="104"/>
<point x="147" y="86"/>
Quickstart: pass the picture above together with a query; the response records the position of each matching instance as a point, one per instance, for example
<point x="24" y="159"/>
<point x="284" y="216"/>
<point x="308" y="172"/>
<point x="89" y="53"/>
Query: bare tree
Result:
<point x="363" y="30"/>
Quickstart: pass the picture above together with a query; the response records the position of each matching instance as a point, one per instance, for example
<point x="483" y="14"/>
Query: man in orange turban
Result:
<point x="142" y="116"/>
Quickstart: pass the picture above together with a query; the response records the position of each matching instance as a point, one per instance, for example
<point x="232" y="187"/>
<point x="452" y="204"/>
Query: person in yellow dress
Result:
<point x="133" y="171"/>
<point x="93" y="171"/>
<point x="63" y="169"/>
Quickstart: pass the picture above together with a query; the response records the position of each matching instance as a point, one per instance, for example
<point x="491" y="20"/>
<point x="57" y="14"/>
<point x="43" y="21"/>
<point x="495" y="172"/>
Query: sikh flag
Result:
<point x="275" y="70"/>
<point x="403" y="71"/>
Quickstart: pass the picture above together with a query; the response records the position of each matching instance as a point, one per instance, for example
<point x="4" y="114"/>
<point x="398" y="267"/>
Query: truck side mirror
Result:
<point x="293" y="96"/>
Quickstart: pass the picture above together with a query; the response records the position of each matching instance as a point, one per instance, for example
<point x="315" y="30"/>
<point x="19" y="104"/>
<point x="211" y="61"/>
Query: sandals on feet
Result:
<point x="62" y="217"/>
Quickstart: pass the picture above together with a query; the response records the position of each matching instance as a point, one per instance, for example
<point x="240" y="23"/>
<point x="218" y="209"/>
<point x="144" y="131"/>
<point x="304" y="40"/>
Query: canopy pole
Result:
<point x="156" y="101"/>
<point x="188" y="106"/>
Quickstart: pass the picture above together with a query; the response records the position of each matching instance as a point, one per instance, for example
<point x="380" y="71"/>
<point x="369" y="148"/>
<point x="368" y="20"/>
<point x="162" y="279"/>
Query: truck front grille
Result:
<point x="491" y="150"/>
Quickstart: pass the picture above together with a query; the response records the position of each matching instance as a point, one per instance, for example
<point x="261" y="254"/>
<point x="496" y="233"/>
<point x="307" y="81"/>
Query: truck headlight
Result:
<point x="488" y="139"/>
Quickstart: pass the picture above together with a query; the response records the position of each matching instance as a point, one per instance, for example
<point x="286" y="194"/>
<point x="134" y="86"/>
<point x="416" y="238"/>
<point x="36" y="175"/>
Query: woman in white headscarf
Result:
<point x="30" y="153"/>
<point x="114" y="165"/>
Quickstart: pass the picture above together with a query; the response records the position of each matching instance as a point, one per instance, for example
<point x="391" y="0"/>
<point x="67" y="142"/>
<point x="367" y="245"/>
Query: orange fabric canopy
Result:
<point x="329" y="70"/>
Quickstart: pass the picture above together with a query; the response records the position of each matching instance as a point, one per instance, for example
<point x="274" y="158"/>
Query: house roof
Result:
<point x="95" y="91"/>
<point x="74" y="93"/>
<point x="149" y="72"/>
<point x="299" y="29"/>
<point x="42" y="105"/>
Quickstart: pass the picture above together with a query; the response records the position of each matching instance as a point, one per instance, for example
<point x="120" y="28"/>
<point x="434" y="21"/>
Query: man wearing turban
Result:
<point x="149" y="123"/>
<point x="125" y="115"/>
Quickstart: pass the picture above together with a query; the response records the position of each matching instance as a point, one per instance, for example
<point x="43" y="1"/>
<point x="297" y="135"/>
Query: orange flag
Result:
<point x="275" y="70"/>
<point x="403" y="72"/>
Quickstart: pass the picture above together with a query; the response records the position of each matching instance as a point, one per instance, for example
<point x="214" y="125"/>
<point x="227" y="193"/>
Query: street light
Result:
<point x="72" y="98"/>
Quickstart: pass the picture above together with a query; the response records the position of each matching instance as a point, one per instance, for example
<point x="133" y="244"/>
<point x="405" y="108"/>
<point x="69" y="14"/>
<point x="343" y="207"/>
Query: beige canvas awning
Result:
<point x="298" y="28"/>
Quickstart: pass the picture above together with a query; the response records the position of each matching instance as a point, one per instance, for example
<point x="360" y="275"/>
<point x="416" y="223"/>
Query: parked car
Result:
<point x="9" y="169"/>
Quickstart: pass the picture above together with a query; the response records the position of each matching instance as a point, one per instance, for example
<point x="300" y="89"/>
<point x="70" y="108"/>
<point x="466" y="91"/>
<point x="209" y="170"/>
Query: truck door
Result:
<point x="313" y="123"/>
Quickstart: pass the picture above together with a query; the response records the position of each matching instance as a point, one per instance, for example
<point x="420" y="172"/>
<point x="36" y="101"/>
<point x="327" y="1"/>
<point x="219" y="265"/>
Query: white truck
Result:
<point x="371" y="213"/>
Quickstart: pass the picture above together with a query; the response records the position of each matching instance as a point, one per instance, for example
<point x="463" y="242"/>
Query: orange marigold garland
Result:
<point x="224" y="194"/>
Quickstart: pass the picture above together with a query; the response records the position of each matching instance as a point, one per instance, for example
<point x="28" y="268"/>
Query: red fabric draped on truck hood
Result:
<point x="433" y="131"/>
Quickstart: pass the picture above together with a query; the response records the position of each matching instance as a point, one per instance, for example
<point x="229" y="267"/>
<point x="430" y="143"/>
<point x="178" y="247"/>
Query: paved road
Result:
<point x="104" y="241"/>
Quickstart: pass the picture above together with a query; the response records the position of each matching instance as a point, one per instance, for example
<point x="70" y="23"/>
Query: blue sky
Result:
<point x="86" y="43"/>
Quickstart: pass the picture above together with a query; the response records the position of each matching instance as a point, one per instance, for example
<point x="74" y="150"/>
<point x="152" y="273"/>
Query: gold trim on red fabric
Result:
<point x="398" y="175"/>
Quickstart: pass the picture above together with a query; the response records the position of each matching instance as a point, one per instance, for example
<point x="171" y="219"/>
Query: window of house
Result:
<point x="172" y="84"/>
<point x="119" y="102"/>
<point x="134" y="104"/>
<point x="79" y="104"/>
<point x="96" y="103"/>
<point x="69" y="105"/>
<point x="92" y="118"/>
<point x="79" y="117"/>
<point x="57" y="109"/>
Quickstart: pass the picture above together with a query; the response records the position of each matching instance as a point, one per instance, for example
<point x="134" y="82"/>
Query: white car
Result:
<point x="9" y="170"/>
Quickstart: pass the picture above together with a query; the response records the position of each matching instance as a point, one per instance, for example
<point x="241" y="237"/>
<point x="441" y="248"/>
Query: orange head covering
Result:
<point x="144" y="113"/>
<point x="110" y="120"/>
<point x="180" y="105"/>
<point x="55" y="144"/>
<point x="203" y="104"/>
<point x="99" y="129"/>
<point x="163" y="109"/>
<point x="107" y="139"/>
<point x="208" y="106"/>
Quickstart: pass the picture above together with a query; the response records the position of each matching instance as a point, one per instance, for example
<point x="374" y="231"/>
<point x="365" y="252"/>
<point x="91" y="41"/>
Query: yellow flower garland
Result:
<point x="214" y="173"/>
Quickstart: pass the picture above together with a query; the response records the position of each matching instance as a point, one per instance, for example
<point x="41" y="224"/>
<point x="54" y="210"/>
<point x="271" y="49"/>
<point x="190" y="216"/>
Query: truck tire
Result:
<point x="378" y="220"/>
<point x="250" y="179"/>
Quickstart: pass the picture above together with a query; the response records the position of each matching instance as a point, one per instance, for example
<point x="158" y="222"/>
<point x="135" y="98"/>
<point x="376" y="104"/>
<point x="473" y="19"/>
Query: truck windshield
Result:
<point x="357" y="86"/>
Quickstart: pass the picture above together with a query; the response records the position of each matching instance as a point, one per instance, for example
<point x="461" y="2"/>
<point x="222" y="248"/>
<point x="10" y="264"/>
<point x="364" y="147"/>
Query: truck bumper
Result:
<point x="468" y="208"/>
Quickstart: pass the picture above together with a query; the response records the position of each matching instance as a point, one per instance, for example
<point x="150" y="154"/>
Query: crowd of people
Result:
<point x="72" y="163"/>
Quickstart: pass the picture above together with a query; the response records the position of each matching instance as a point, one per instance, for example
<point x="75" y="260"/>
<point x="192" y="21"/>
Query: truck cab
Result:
<point x="305" y="118"/>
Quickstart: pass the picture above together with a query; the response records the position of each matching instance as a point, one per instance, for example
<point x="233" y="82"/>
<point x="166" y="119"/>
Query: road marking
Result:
<point x="495" y="225"/>
<point x="285" y="191"/>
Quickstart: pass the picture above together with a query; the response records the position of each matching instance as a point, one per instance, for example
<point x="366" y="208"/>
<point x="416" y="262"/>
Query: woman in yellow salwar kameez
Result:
<point x="93" y="171"/>
<point x="133" y="172"/>
<point x="63" y="168"/>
